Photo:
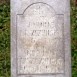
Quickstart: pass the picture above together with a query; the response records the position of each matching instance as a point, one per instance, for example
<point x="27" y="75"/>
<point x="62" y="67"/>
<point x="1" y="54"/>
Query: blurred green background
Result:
<point x="5" y="38"/>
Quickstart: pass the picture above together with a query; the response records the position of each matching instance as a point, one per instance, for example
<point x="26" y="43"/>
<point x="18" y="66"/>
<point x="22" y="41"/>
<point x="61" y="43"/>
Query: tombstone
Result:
<point x="40" y="38"/>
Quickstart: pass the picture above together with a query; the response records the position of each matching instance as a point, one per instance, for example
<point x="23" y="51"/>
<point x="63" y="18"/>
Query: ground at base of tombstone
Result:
<point x="5" y="38"/>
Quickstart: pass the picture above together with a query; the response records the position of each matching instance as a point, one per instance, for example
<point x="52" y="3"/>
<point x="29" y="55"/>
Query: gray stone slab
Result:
<point x="40" y="38"/>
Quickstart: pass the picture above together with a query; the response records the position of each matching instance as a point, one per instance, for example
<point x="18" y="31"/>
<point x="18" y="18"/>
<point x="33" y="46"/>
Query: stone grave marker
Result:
<point x="40" y="38"/>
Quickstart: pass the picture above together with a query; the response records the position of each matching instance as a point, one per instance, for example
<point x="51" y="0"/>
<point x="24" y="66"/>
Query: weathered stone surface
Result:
<point x="40" y="39"/>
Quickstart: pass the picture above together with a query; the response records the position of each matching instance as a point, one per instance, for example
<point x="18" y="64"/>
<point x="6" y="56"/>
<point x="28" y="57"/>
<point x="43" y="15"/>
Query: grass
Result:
<point x="74" y="37"/>
<point x="5" y="39"/>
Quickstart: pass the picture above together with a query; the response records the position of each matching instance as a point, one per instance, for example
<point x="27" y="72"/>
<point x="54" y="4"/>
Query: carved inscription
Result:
<point x="39" y="41"/>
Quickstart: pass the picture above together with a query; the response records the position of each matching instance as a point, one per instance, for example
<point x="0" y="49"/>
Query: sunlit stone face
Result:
<point x="39" y="41"/>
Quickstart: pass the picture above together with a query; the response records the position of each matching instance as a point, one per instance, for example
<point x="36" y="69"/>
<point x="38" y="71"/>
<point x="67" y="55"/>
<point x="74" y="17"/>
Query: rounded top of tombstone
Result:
<point x="39" y="8"/>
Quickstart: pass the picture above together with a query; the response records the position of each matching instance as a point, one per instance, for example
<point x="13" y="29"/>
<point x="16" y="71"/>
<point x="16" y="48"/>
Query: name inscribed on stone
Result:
<point x="39" y="41"/>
